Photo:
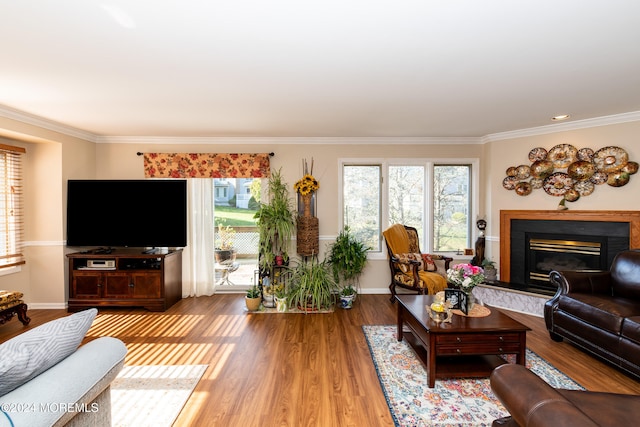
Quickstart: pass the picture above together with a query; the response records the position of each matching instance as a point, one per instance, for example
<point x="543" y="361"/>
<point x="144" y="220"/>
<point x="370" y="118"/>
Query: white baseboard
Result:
<point x="46" y="306"/>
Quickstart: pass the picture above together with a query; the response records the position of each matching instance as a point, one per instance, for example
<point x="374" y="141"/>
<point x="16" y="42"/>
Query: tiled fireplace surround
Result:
<point x="532" y="303"/>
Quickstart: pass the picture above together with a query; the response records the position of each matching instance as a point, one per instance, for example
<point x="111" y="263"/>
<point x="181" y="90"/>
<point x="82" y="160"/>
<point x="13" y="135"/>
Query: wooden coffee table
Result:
<point x="466" y="347"/>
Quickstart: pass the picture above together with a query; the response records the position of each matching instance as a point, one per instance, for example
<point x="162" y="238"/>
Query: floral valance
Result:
<point x="206" y="165"/>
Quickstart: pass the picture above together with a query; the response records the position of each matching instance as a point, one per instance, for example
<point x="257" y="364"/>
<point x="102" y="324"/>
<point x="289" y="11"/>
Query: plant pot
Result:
<point x="253" y="304"/>
<point x="346" y="301"/>
<point x="281" y="305"/>
<point x="491" y="274"/>
<point x="225" y="256"/>
<point x="269" y="300"/>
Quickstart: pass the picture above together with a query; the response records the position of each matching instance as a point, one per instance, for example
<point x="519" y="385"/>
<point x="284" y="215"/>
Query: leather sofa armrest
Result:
<point x="532" y="402"/>
<point x="584" y="282"/>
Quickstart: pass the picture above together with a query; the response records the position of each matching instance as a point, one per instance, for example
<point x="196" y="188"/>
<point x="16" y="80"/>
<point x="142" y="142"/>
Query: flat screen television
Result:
<point x="147" y="213"/>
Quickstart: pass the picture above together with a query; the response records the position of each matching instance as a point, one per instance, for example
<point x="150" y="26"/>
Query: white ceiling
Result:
<point x="330" y="68"/>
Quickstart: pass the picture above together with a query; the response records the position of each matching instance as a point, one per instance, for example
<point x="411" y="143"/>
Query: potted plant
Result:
<point x="225" y="252"/>
<point x="490" y="270"/>
<point x="347" y="257"/>
<point x="347" y="295"/>
<point x="281" y="298"/>
<point x="268" y="295"/>
<point x="313" y="286"/>
<point x="276" y="223"/>
<point x="253" y="298"/>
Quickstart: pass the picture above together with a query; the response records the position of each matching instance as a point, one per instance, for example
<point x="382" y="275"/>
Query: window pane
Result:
<point x="361" y="202"/>
<point x="451" y="200"/>
<point x="406" y="196"/>
<point x="236" y="201"/>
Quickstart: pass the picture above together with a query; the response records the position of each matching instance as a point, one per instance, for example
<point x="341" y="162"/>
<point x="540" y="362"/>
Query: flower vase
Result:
<point x="306" y="200"/>
<point x="307" y="225"/>
<point x="281" y="305"/>
<point x="471" y="300"/>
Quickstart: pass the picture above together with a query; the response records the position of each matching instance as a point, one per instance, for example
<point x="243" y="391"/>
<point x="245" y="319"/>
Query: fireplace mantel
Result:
<point x="506" y="216"/>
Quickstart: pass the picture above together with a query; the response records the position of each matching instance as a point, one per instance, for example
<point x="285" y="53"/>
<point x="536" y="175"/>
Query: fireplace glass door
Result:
<point x="546" y="253"/>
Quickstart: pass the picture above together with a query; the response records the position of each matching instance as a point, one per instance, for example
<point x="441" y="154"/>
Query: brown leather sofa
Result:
<point x="599" y="311"/>
<point x="534" y="403"/>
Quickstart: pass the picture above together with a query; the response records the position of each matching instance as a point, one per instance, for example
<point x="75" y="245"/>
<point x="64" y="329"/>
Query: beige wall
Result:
<point x="119" y="160"/>
<point x="51" y="158"/>
<point x="54" y="157"/>
<point x="513" y="152"/>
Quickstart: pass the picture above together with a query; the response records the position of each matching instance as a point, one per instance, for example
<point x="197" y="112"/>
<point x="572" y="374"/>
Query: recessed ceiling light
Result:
<point x="560" y="117"/>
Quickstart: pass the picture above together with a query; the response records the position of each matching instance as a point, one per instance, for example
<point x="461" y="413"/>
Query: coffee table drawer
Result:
<point x="477" y="338"/>
<point x="478" y="348"/>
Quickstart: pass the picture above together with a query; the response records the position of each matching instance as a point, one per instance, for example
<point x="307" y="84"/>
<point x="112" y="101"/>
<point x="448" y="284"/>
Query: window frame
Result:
<point x="12" y="254"/>
<point x="429" y="164"/>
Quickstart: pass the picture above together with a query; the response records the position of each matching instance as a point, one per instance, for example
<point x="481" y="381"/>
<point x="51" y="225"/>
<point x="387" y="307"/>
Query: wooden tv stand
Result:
<point x="125" y="278"/>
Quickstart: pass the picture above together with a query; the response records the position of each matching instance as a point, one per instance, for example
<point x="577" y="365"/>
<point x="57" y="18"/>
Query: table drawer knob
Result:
<point x="458" y="339"/>
<point x="458" y="350"/>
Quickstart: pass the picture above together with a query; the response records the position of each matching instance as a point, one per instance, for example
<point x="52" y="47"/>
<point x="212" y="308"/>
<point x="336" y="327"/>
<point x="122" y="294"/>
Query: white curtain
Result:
<point x="199" y="279"/>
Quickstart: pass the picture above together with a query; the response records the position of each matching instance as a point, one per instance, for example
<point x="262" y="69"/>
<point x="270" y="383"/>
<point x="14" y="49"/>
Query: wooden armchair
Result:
<point x="11" y="304"/>
<point x="410" y="268"/>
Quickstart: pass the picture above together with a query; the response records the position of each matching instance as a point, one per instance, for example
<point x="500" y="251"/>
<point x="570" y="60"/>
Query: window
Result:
<point x="11" y="206"/>
<point x="451" y="213"/>
<point x="435" y="197"/>
<point x="361" y="202"/>
<point x="235" y="228"/>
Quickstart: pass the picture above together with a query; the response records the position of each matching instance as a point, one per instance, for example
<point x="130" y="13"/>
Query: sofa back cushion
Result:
<point x="29" y="354"/>
<point x="625" y="274"/>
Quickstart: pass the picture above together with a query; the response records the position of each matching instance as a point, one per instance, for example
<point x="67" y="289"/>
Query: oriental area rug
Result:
<point x="452" y="402"/>
<point x="152" y="395"/>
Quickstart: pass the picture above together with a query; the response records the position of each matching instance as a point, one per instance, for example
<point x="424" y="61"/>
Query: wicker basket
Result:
<point x="308" y="242"/>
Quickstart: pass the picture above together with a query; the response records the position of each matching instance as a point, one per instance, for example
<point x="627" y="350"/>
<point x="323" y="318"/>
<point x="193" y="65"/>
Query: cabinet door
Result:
<point x="146" y="285"/>
<point x="86" y="285"/>
<point x="117" y="285"/>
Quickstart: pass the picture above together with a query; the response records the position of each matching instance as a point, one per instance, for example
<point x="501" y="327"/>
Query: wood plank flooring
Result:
<point x="289" y="369"/>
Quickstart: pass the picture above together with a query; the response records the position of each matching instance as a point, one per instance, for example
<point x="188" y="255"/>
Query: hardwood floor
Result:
<point x="289" y="369"/>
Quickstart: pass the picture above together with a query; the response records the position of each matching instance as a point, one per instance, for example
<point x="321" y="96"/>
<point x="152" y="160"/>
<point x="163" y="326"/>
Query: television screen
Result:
<point x="127" y="213"/>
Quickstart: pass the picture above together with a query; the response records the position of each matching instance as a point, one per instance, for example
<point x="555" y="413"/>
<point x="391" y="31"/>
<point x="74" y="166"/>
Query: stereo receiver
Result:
<point x="101" y="263"/>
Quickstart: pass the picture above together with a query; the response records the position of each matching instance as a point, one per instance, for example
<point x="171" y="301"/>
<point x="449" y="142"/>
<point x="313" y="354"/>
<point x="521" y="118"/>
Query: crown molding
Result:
<point x="614" y="119"/>
<point x="30" y="119"/>
<point x="21" y="116"/>
<point x="330" y="140"/>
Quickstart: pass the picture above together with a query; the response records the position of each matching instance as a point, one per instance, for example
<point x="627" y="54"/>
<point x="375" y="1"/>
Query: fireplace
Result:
<point x="539" y="246"/>
<point x="532" y="243"/>
<point x="547" y="254"/>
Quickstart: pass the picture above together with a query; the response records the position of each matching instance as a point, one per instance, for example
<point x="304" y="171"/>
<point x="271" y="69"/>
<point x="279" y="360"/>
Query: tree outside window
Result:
<point x="433" y="198"/>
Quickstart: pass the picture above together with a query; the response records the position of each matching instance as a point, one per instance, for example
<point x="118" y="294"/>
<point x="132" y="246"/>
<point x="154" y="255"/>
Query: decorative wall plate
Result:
<point x="585" y="154"/>
<point x="523" y="188"/>
<point x="598" y="178"/>
<point x="510" y="182"/>
<point x="557" y="184"/>
<point x="562" y="155"/>
<point x="523" y="172"/>
<point x="618" y="179"/>
<point x="571" y="195"/>
<point x="536" y="183"/>
<point x="581" y="170"/>
<point x="610" y="159"/>
<point x="512" y="171"/>
<point x="584" y="187"/>
<point x="541" y="168"/>
<point x="630" y="167"/>
<point x="537" y="154"/>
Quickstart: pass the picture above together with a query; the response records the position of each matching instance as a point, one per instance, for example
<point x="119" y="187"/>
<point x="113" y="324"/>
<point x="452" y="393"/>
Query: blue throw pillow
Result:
<point x="33" y="352"/>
